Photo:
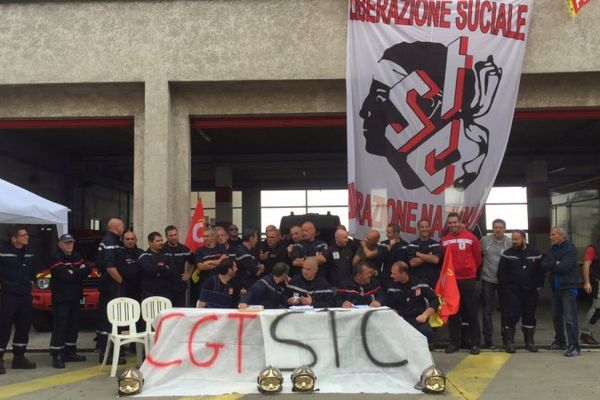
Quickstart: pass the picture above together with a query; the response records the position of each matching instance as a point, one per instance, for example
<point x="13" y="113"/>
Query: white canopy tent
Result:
<point x="19" y="206"/>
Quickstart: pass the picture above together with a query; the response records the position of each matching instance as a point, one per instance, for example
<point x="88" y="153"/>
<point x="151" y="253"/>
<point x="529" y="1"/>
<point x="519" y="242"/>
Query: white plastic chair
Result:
<point x="151" y="307"/>
<point x="123" y="312"/>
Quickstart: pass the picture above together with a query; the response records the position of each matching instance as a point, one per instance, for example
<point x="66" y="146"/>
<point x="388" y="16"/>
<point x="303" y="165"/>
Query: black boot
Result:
<point x="58" y="361"/>
<point x="509" y="337"/>
<point x="72" y="356"/>
<point x="21" y="362"/>
<point x="529" y="343"/>
<point x="2" y="369"/>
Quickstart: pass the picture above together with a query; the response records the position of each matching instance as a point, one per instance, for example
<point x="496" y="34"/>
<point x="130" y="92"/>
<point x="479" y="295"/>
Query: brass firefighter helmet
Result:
<point x="130" y="381"/>
<point x="270" y="380"/>
<point x="303" y="379"/>
<point x="432" y="380"/>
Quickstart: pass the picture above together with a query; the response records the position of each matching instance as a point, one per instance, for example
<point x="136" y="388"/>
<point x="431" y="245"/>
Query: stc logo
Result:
<point x="421" y="113"/>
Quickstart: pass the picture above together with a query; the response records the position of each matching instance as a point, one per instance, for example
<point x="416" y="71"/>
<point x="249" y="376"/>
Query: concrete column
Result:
<point x="251" y="208"/>
<point x="538" y="204"/>
<point x="223" y="195"/>
<point x="161" y="160"/>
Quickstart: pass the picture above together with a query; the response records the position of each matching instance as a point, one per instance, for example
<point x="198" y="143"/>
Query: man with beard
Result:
<point x="309" y="289"/>
<point x="157" y="275"/>
<point x="217" y="291"/>
<point x="250" y="268"/>
<point x="413" y="299"/>
<point x="129" y="267"/>
<point x="272" y="250"/>
<point x="181" y="264"/>
<point x="424" y="255"/>
<point x="466" y="256"/>
<point x="520" y="278"/>
<point x="340" y="260"/>
<point x="362" y="290"/>
<point x="268" y="291"/>
<point x="561" y="262"/>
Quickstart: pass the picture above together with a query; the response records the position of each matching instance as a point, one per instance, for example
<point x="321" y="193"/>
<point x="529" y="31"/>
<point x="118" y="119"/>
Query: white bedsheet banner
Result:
<point x="210" y="352"/>
<point x="431" y="92"/>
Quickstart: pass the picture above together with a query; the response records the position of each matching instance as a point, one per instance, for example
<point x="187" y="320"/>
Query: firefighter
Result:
<point x="157" y="274"/>
<point x="67" y="274"/>
<point x="111" y="281"/>
<point x="181" y="263"/>
<point x="16" y="275"/>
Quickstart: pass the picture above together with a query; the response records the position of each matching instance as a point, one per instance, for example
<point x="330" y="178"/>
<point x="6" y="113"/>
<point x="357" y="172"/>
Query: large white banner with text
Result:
<point x="210" y="352"/>
<point x="431" y="92"/>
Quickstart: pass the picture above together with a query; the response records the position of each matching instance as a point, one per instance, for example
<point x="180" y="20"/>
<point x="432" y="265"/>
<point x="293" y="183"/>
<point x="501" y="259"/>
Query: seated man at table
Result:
<point x="362" y="290"/>
<point x="268" y="291"/>
<point x="310" y="289"/>
<point x="217" y="291"/>
<point x="413" y="299"/>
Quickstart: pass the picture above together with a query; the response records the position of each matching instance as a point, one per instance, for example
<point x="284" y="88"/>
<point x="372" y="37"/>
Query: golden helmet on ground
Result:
<point x="270" y="380"/>
<point x="130" y="381"/>
<point x="432" y="380"/>
<point x="303" y="379"/>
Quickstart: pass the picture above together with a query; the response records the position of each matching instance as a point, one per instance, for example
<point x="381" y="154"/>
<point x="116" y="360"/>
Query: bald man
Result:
<point x="340" y="260"/>
<point x="111" y="281"/>
<point x="370" y="252"/>
<point x="310" y="247"/>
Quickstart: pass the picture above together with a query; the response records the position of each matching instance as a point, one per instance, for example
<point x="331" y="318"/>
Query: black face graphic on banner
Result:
<point x="427" y="97"/>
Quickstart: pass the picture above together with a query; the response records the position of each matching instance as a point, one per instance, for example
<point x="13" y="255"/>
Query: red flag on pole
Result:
<point x="194" y="237"/>
<point x="447" y="290"/>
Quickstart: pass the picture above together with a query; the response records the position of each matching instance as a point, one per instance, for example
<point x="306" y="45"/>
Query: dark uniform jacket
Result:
<point x="410" y="299"/>
<point x="425" y="272"/>
<point x="156" y="274"/>
<point x="217" y="294"/>
<point x="339" y="265"/>
<point x="276" y="254"/>
<point x="309" y="249"/>
<point x="130" y="271"/>
<point x="247" y="264"/>
<point x="323" y="295"/>
<point x="178" y="255"/>
<point x="521" y="269"/>
<point x="564" y="274"/>
<point x="361" y="295"/>
<point x="267" y="293"/>
<point x="205" y="254"/>
<point x="67" y="275"/>
<point x="109" y="252"/>
<point x="16" y="269"/>
<point x="388" y="257"/>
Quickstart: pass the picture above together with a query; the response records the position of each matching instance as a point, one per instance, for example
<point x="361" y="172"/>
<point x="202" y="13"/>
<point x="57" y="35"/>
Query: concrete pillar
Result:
<point x="251" y="208"/>
<point x="161" y="164"/>
<point x="223" y="195"/>
<point x="538" y="204"/>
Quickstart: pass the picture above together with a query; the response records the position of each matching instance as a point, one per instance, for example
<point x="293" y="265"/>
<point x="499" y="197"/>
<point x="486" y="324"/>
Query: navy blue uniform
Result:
<point x="267" y="293"/>
<point x="426" y="272"/>
<point x="180" y="255"/>
<point x="323" y="295"/>
<point x="411" y="299"/>
<point x="16" y="276"/>
<point x="202" y="255"/>
<point x="361" y="295"/>
<point x="157" y="275"/>
<point x="247" y="264"/>
<point x="309" y="249"/>
<point x="339" y="265"/>
<point x="389" y="256"/>
<point x="217" y="294"/>
<point x="67" y="275"/>
<point x="130" y="272"/>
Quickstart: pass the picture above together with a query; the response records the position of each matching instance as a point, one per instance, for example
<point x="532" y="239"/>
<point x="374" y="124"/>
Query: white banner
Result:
<point x="431" y="91"/>
<point x="211" y="352"/>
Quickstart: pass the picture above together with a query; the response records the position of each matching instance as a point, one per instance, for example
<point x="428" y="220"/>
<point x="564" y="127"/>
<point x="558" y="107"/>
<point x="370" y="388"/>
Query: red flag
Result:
<point x="194" y="237"/>
<point x="575" y="5"/>
<point x="447" y="289"/>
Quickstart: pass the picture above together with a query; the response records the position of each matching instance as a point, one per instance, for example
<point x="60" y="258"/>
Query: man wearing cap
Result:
<point x="111" y="281"/>
<point x="16" y="276"/>
<point x="66" y="282"/>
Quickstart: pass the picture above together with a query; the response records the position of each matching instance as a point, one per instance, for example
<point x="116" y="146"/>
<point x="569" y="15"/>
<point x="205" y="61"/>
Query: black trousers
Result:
<point x="65" y="327"/>
<point x="15" y="310"/>
<point x="109" y="290"/>
<point x="425" y="329"/>
<point x="488" y="297"/>
<point x="467" y="314"/>
<point x="178" y="298"/>
<point x="522" y="305"/>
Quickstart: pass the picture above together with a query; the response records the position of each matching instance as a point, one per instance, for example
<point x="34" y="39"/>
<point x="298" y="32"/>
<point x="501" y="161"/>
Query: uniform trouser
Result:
<point x="425" y="329"/>
<point x="521" y="305"/>
<point x="65" y="327"/>
<point x="594" y="310"/>
<point x="564" y="304"/>
<point x="15" y="310"/>
<point x="109" y="290"/>
<point x="178" y="298"/>
<point x="467" y="313"/>
<point x="488" y="299"/>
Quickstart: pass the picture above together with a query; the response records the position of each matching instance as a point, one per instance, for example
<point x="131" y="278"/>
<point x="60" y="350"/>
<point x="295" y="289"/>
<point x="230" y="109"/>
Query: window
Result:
<point x="509" y="204"/>
<point x="279" y="203"/>
<point x="210" y="206"/>
<point x="95" y="224"/>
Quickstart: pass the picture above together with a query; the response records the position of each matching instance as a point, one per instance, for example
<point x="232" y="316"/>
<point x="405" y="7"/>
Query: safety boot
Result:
<point x="58" y="361"/>
<point x="509" y="337"/>
<point x="21" y="362"/>
<point x="72" y="356"/>
<point x="529" y="343"/>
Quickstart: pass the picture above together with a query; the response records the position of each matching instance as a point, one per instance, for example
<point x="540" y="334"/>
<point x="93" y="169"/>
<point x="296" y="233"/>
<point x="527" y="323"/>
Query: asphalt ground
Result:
<point x="491" y="375"/>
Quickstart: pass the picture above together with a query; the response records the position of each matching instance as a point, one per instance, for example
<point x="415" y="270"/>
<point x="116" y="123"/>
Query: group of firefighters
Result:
<point x="299" y="270"/>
